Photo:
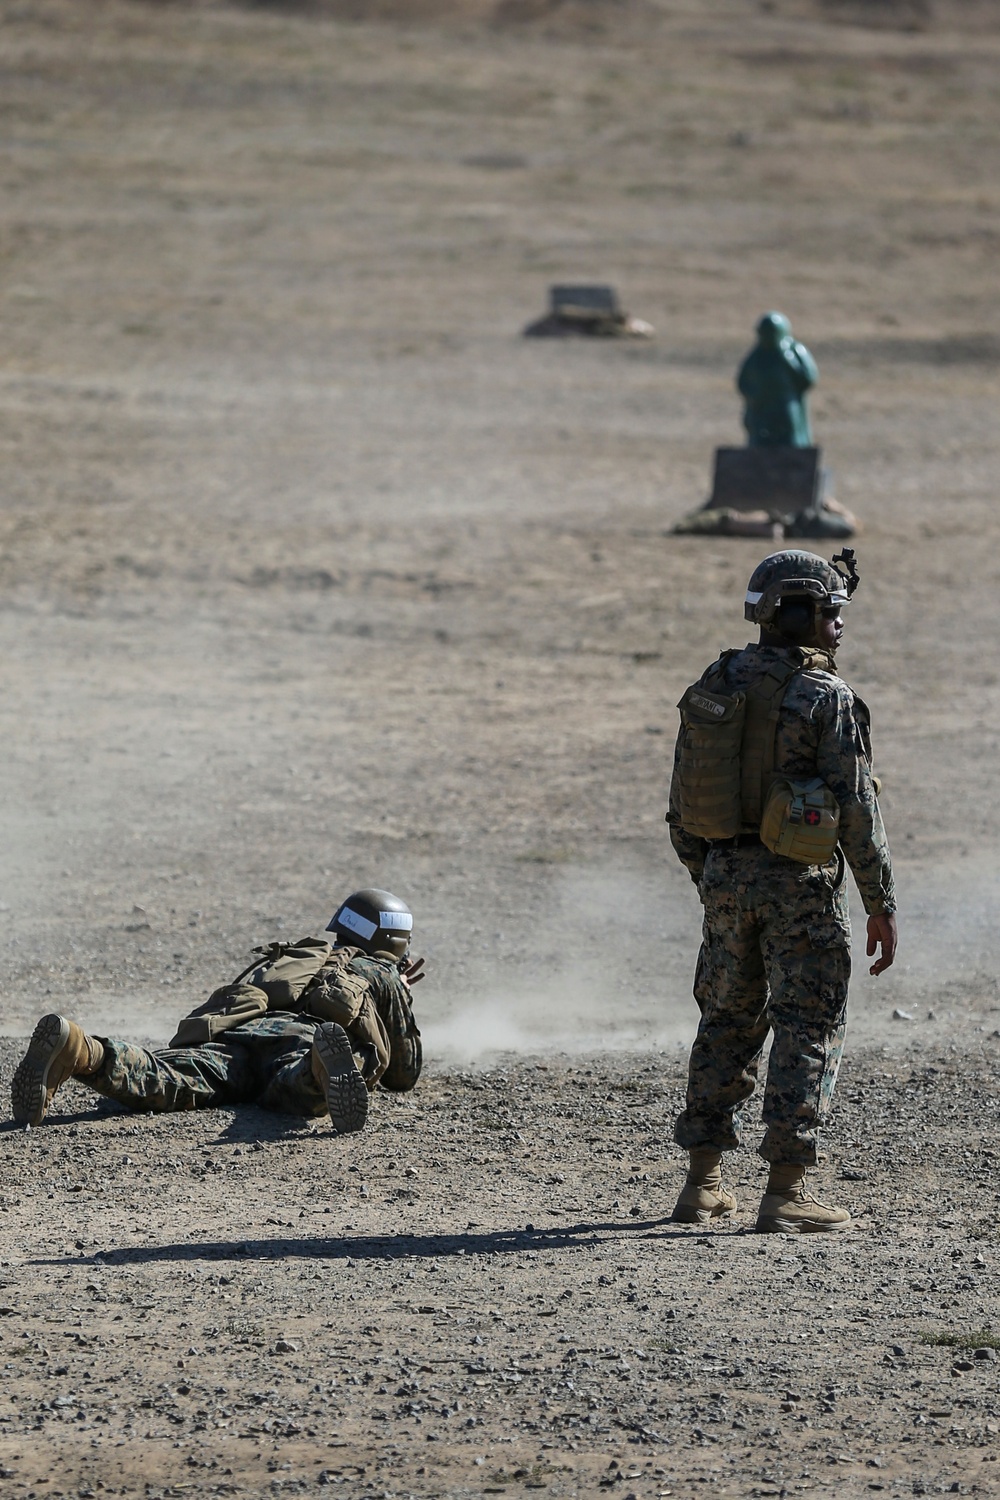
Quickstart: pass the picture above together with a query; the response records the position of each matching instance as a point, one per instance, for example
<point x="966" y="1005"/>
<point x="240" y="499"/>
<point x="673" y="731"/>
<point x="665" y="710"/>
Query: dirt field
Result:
<point x="314" y="575"/>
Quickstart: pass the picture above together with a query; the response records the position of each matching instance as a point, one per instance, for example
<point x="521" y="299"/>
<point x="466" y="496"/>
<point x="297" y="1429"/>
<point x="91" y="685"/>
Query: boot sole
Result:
<point x="29" y="1085"/>
<point x="346" y="1092"/>
<point x="699" y="1215"/>
<point x="790" y="1226"/>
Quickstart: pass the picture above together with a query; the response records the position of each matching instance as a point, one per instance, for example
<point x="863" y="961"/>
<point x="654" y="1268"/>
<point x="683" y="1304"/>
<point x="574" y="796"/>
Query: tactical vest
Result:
<point x="308" y="977"/>
<point x="726" y="765"/>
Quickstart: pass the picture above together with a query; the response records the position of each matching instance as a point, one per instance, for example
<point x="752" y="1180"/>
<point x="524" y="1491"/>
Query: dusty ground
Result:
<point x="482" y="1294"/>
<point x="314" y="575"/>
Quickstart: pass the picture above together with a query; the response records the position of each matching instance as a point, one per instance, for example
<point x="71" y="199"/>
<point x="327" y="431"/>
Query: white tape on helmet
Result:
<point x="355" y="922"/>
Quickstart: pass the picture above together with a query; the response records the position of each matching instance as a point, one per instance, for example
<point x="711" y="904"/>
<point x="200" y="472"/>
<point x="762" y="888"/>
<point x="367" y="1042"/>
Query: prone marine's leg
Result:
<point x="305" y="1067"/>
<point x="58" y="1050"/>
<point x="178" y="1079"/>
<point x="278" y="1062"/>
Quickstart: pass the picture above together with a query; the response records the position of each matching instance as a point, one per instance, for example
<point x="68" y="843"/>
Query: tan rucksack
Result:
<point x="308" y="977"/>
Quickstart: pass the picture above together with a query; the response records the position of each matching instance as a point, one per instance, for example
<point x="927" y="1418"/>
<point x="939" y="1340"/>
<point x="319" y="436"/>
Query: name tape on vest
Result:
<point x="708" y="705"/>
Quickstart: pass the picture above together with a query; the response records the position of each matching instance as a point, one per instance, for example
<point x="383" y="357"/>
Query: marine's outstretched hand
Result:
<point x="413" y="971"/>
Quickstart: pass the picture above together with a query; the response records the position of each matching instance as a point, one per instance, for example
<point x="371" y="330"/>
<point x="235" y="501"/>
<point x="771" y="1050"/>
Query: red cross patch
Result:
<point x="811" y="816"/>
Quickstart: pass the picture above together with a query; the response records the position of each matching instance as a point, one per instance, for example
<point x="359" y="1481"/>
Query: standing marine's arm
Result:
<point x="691" y="851"/>
<point x="844" y="762"/>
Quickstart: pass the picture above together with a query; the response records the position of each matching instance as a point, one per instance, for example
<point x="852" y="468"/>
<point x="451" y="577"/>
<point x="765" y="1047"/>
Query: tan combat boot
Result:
<point x="59" y="1049"/>
<point x="337" y="1073"/>
<point x="786" y="1207"/>
<point x="703" y="1198"/>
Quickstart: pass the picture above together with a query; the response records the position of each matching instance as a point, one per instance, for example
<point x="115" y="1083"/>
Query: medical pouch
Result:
<point x="801" y="820"/>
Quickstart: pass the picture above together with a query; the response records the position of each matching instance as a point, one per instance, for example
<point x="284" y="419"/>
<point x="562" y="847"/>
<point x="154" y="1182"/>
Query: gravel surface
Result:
<point x="483" y="1293"/>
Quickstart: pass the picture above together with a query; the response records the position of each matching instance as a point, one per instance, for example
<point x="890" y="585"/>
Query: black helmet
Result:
<point x="800" y="576"/>
<point x="376" y="921"/>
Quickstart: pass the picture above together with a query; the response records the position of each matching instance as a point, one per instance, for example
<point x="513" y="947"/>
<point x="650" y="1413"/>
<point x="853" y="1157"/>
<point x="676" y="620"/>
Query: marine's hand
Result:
<point x="413" y="972"/>
<point x="882" y="934"/>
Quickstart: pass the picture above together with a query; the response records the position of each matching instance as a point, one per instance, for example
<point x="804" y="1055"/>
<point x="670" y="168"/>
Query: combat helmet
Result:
<point x="795" y="575"/>
<point x="376" y="921"/>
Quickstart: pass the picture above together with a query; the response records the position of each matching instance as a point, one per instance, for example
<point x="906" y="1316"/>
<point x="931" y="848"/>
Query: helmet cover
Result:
<point x="374" y="920"/>
<point x="798" y="575"/>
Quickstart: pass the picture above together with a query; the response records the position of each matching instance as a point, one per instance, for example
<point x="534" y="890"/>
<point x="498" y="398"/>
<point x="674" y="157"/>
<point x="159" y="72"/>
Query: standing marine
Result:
<point x="773" y="381"/>
<point x="310" y="1028"/>
<point x="772" y="797"/>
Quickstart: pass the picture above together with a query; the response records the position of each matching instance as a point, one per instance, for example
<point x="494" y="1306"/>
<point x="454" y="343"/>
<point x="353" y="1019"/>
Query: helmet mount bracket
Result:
<point x="849" y="572"/>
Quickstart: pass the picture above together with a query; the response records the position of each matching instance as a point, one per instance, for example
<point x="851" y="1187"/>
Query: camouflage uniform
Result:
<point x="266" y="1062"/>
<point x="776" y="948"/>
<point x="251" y="1042"/>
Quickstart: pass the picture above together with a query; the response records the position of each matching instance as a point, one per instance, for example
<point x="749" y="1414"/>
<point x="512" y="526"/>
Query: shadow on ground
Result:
<point x="380" y="1247"/>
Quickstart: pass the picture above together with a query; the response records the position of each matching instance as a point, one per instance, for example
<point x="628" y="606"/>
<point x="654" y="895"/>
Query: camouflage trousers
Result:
<point x="775" y="957"/>
<point x="265" y="1062"/>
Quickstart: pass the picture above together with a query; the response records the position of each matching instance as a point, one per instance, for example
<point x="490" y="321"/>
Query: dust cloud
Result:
<point x="561" y="1017"/>
<point x="611" y="962"/>
<point x="947" y="961"/>
<point x="948" y="956"/>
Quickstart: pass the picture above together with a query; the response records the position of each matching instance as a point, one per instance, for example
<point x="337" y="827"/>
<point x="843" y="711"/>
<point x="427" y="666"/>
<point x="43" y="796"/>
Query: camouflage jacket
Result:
<point x="823" y="730"/>
<point x="365" y="993"/>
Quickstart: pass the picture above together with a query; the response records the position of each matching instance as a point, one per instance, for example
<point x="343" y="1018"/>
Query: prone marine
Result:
<point x="772" y="798"/>
<point x="310" y="1029"/>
